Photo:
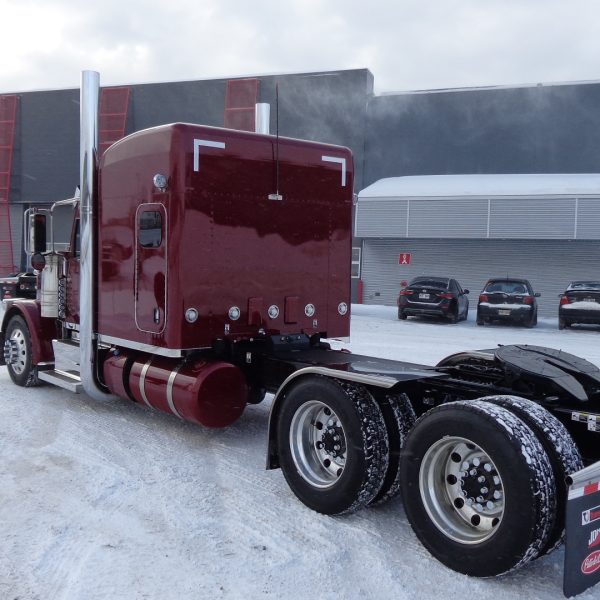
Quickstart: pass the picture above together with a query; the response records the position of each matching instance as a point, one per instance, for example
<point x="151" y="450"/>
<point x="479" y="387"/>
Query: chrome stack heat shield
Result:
<point x="90" y="90"/>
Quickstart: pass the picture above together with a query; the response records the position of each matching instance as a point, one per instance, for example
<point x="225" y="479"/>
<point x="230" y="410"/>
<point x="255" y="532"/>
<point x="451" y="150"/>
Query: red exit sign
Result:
<point x="404" y="258"/>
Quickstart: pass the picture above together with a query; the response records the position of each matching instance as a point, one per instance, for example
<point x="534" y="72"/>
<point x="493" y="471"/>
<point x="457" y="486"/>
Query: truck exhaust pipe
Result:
<point x="88" y="156"/>
<point x="262" y="112"/>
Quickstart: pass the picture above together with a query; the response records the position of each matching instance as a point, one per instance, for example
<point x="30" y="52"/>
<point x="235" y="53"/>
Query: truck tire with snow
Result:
<point x="399" y="416"/>
<point x="560" y="447"/>
<point x="332" y="444"/>
<point x="18" y="354"/>
<point x="478" y="488"/>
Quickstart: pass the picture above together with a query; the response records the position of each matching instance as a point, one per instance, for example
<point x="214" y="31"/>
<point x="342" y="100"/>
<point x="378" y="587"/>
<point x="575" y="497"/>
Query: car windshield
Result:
<point x="506" y="287"/>
<point x="584" y="285"/>
<point x="440" y="284"/>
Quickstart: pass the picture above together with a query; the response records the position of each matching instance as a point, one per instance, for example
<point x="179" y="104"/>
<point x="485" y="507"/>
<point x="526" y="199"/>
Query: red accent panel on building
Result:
<point x="240" y="102"/>
<point x="8" y="118"/>
<point x="114" y="108"/>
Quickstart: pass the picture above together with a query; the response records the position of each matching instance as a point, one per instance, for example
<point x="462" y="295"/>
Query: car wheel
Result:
<point x="480" y="321"/>
<point x="466" y="316"/>
<point x="532" y="322"/>
<point x="563" y="323"/>
<point x="401" y="315"/>
<point x="453" y="314"/>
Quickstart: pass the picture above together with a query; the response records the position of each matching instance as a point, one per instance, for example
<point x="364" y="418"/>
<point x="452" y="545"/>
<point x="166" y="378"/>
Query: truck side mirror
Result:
<point x="465" y="292"/>
<point x="537" y="294"/>
<point x="38" y="262"/>
<point x="38" y="233"/>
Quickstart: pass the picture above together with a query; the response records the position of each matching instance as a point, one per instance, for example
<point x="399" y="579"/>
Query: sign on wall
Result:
<point x="404" y="258"/>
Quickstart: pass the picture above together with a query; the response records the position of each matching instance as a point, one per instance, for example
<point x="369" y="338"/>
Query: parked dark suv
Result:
<point x="434" y="296"/>
<point x="580" y="303"/>
<point x="510" y="300"/>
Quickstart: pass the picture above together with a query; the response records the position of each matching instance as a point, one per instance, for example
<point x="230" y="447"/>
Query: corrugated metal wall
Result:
<point x="549" y="264"/>
<point x="464" y="217"/>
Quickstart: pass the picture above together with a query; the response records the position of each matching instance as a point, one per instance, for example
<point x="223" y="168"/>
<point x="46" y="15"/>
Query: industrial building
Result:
<point x="409" y="149"/>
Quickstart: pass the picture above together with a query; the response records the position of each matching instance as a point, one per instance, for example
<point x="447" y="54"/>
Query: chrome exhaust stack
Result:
<point x="88" y="156"/>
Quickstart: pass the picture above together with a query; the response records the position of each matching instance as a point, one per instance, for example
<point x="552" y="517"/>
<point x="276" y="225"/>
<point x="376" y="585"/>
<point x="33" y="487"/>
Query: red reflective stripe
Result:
<point x="592" y="488"/>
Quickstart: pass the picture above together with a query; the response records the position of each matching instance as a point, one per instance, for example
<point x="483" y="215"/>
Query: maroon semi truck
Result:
<point x="208" y="267"/>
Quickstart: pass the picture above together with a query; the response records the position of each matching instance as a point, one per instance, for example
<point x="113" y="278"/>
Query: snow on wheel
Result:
<point x="478" y="488"/>
<point x="560" y="447"/>
<point x="18" y="355"/>
<point x="333" y="445"/>
<point x="399" y="416"/>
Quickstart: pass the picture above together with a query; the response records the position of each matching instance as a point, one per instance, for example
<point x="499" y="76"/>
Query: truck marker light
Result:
<point x="309" y="310"/>
<point x="160" y="182"/>
<point x="342" y="308"/>
<point x="273" y="311"/>
<point x="234" y="313"/>
<point x="191" y="315"/>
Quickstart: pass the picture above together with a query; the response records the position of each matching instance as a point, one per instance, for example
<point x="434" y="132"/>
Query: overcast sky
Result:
<point x="407" y="44"/>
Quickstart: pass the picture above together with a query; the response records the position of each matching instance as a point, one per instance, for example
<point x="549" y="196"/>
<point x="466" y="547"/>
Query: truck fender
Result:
<point x="293" y="379"/>
<point x="41" y="329"/>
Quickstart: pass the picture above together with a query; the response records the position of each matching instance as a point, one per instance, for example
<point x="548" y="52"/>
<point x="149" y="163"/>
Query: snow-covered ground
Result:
<point x="110" y="500"/>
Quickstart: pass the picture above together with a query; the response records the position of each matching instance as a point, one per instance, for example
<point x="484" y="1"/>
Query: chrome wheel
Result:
<point x="461" y="490"/>
<point x="318" y="444"/>
<point x="15" y="351"/>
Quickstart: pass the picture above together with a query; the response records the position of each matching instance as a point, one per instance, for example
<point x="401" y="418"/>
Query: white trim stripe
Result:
<point x="170" y="383"/>
<point x="339" y="161"/>
<point x="143" y="382"/>
<point x="206" y="144"/>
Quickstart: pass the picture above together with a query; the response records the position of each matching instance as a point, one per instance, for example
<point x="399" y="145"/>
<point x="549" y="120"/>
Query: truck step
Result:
<point x="69" y="380"/>
<point x="66" y="356"/>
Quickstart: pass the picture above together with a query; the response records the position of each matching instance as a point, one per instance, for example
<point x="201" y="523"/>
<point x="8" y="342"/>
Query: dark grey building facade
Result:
<point x="552" y="128"/>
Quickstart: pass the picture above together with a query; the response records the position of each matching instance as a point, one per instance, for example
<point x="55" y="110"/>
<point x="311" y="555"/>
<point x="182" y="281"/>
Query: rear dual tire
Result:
<point x="332" y="445"/>
<point x="478" y="488"/>
<point x="564" y="455"/>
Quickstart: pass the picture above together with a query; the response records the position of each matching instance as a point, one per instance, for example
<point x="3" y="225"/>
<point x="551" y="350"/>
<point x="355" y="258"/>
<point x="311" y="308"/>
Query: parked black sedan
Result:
<point x="580" y="303"/>
<point x="434" y="297"/>
<point x="510" y="300"/>
<point x="20" y="285"/>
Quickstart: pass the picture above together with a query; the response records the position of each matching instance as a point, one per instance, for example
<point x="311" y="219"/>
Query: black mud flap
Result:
<point x="2" y="363"/>
<point x="582" y="550"/>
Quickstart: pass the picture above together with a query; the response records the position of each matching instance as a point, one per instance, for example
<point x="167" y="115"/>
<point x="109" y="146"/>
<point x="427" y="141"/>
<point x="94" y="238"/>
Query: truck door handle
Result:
<point x="157" y="315"/>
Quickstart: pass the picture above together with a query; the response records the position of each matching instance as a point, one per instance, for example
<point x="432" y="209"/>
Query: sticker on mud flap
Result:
<point x="591" y="563"/>
<point x="589" y="516"/>
<point x="594" y="539"/>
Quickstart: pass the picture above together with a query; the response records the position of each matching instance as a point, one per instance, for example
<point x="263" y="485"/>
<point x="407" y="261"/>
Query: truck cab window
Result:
<point x="150" y="229"/>
<point x="77" y="240"/>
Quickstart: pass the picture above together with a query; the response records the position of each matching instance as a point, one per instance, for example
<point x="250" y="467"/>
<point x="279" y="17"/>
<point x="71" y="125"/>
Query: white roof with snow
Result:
<point x="444" y="186"/>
